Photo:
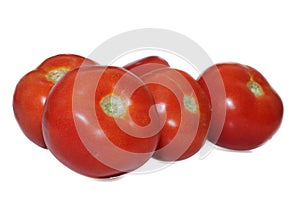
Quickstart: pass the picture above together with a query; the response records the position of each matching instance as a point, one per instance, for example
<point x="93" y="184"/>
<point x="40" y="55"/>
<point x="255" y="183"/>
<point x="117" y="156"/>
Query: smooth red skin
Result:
<point x="31" y="93"/>
<point x="146" y="65"/>
<point x="62" y="136"/>
<point x="165" y="96"/>
<point x="250" y="120"/>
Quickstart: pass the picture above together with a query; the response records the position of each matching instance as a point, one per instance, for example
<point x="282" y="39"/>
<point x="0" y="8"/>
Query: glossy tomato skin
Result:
<point x="100" y="122"/>
<point x="184" y="109"/>
<point x="32" y="90"/>
<point x="146" y="65"/>
<point x="254" y="110"/>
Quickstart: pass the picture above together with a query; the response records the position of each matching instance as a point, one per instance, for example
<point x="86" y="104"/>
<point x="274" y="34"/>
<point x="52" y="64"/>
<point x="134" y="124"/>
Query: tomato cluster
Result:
<point x="104" y="121"/>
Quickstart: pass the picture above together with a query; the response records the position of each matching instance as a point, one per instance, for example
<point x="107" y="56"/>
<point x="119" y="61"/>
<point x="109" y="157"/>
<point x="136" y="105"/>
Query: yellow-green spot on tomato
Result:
<point x="56" y="74"/>
<point x="190" y="103"/>
<point x="255" y="88"/>
<point x="113" y="106"/>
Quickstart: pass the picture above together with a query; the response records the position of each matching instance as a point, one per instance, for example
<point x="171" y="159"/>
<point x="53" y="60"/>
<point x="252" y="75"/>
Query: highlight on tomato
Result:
<point x="33" y="88"/>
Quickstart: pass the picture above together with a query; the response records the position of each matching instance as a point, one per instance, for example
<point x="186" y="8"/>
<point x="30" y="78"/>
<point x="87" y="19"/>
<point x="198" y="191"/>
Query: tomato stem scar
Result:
<point x="56" y="74"/>
<point x="113" y="106"/>
<point x="190" y="103"/>
<point x="255" y="88"/>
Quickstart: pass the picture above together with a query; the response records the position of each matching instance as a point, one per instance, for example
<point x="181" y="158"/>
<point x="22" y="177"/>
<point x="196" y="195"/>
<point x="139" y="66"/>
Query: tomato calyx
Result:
<point x="113" y="106"/>
<point x="255" y="88"/>
<point x="56" y="74"/>
<point x="190" y="103"/>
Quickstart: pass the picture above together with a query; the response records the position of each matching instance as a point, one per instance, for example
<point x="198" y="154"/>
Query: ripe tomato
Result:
<point x="253" y="109"/>
<point x="184" y="109"/>
<point x="147" y="64"/>
<point x="32" y="91"/>
<point x="101" y="121"/>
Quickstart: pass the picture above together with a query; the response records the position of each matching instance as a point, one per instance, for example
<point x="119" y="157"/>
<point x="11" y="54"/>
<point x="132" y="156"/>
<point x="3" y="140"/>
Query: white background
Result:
<point x="262" y="34"/>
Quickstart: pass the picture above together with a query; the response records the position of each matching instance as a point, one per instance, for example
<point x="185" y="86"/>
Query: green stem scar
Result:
<point x="255" y="88"/>
<point x="113" y="106"/>
<point x="56" y="74"/>
<point x="190" y="103"/>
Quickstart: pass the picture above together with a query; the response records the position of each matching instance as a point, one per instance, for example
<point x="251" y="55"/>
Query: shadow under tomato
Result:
<point x="110" y="179"/>
<point x="231" y="150"/>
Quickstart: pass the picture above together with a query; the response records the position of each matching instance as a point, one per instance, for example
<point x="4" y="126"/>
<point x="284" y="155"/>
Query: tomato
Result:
<point x="184" y="109"/>
<point x="101" y="121"/>
<point x="147" y="64"/>
<point x="253" y="109"/>
<point x="32" y="90"/>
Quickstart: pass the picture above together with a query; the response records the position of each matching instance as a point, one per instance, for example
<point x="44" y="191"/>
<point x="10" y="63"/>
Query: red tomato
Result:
<point x="147" y="64"/>
<point x="184" y="109"/>
<point x="253" y="109"/>
<point x="101" y="121"/>
<point x="32" y="90"/>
